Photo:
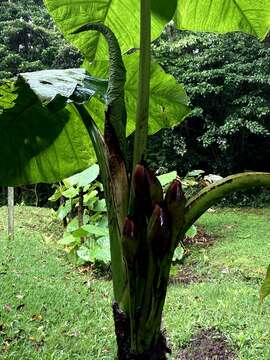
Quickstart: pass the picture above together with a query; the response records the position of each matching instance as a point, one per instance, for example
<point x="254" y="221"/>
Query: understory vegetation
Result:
<point x="50" y="310"/>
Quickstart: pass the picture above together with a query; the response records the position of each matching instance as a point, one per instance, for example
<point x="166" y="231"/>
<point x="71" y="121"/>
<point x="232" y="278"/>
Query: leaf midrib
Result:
<point x="245" y="17"/>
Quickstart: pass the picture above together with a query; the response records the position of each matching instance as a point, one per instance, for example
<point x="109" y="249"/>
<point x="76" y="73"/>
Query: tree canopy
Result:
<point x="29" y="40"/>
<point x="227" y="80"/>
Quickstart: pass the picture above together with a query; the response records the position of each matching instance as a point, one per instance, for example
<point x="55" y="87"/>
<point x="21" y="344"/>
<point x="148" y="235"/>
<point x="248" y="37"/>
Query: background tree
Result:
<point x="227" y="80"/>
<point x="29" y="40"/>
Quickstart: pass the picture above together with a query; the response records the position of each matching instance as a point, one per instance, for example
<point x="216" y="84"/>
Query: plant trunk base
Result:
<point x="122" y="330"/>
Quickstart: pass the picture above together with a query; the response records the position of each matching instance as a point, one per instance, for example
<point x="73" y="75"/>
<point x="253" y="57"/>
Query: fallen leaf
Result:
<point x="7" y="307"/>
<point x="37" y="317"/>
<point x="225" y="270"/>
<point x="19" y="296"/>
<point x="5" y="346"/>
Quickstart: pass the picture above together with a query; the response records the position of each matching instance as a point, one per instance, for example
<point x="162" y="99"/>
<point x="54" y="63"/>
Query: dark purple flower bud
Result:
<point x="176" y="201"/>
<point x="148" y="191"/>
<point x="139" y="179"/>
<point x="129" y="228"/>
<point x="155" y="188"/>
<point x="129" y="241"/>
<point x="158" y="232"/>
<point x="175" y="192"/>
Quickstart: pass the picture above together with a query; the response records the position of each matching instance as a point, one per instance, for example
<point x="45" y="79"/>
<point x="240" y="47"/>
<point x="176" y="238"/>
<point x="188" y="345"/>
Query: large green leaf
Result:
<point x="83" y="178"/>
<point x="42" y="143"/>
<point x="121" y="16"/>
<point x="168" y="99"/>
<point x="250" y="16"/>
<point x="166" y="179"/>
<point x="163" y="9"/>
<point x="59" y="85"/>
<point x="95" y="230"/>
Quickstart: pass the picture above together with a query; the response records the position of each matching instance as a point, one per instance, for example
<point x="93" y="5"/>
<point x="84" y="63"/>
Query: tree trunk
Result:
<point x="157" y="351"/>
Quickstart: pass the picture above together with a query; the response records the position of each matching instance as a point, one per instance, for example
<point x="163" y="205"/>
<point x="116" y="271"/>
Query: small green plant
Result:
<point x="84" y="214"/>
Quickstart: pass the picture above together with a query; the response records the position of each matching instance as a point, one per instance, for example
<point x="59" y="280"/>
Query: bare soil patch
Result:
<point x="200" y="239"/>
<point x="207" y="344"/>
<point x="188" y="274"/>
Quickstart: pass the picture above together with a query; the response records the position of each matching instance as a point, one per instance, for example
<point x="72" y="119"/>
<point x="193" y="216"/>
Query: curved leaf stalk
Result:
<point x="111" y="152"/>
<point x="207" y="197"/>
<point x="102" y="153"/>
<point x="117" y="78"/>
<point x="115" y="122"/>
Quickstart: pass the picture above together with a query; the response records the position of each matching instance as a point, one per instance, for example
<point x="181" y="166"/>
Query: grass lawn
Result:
<point x="48" y="310"/>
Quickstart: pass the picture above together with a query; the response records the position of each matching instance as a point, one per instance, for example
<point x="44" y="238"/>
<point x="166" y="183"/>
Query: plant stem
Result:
<point x="210" y="195"/>
<point x="101" y="150"/>
<point x="141" y="131"/>
<point x="80" y="211"/>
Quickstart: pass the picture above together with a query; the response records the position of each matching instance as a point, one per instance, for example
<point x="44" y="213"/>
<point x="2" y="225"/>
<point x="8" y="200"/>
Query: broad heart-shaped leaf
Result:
<point x="192" y="232"/>
<point x="166" y="179"/>
<point x="96" y="251"/>
<point x="168" y="99"/>
<point x="59" y="85"/>
<point x="43" y="143"/>
<point x="95" y="230"/>
<point x="83" y="178"/>
<point x="179" y="253"/>
<point x="250" y="16"/>
<point x="121" y="16"/>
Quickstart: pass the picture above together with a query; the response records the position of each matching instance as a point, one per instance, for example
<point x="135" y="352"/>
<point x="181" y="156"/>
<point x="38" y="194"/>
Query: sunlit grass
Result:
<point x="48" y="310"/>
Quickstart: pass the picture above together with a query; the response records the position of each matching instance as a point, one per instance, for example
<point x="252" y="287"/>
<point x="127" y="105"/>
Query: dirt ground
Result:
<point x="207" y="344"/>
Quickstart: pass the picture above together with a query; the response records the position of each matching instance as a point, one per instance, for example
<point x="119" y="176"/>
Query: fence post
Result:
<point x="11" y="213"/>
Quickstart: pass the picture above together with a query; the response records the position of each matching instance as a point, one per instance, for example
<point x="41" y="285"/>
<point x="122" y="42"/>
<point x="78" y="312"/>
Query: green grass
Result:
<point x="48" y="310"/>
<point x="229" y="300"/>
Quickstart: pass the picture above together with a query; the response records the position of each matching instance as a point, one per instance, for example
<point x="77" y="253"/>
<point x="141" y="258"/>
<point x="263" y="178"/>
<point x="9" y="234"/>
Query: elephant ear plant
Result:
<point x="51" y="121"/>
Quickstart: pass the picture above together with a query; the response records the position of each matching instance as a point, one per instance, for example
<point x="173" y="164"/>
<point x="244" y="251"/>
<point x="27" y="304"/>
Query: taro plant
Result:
<point x="84" y="214"/>
<point x="49" y="120"/>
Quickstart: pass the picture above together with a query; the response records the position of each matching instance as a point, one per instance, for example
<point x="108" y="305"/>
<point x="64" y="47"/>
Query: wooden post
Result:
<point x="11" y="213"/>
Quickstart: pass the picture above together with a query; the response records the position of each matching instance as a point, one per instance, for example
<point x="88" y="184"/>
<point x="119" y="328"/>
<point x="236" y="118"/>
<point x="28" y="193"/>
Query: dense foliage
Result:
<point x="29" y="40"/>
<point x="227" y="79"/>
